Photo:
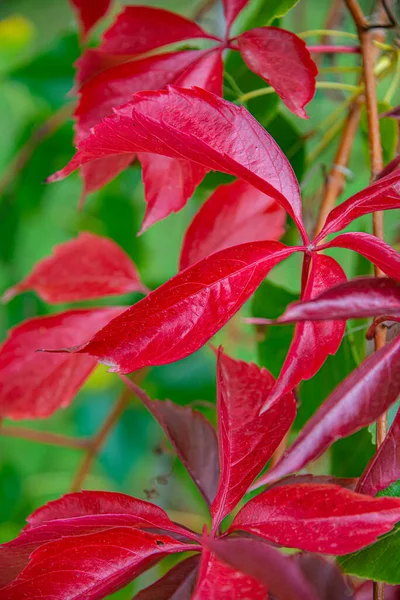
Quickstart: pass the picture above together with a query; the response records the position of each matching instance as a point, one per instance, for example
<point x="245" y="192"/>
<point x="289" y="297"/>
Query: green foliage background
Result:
<point x="38" y="45"/>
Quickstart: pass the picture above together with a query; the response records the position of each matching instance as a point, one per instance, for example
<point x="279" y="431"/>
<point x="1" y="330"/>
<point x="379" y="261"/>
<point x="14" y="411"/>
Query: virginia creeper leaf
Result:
<point x="87" y="267"/>
<point x="318" y="518"/>
<point x="183" y="314"/>
<point x="192" y="436"/>
<point x="34" y="385"/>
<point x="383" y="194"/>
<point x="177" y="584"/>
<point x="205" y="72"/>
<point x="97" y="174"/>
<point x="198" y="126"/>
<point x="358" y="401"/>
<point x="233" y="214"/>
<point x="324" y="576"/>
<point x="89" y="13"/>
<point x="246" y="440"/>
<point x="312" y="342"/>
<point x="232" y="8"/>
<point x="218" y="580"/>
<point x="282" y="60"/>
<point x="278" y="573"/>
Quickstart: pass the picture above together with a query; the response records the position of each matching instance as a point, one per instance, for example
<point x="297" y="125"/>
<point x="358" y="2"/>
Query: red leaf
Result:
<point x="179" y="317"/>
<point x="312" y="342"/>
<point x="177" y="584"/>
<point x="357" y="402"/>
<point x="97" y="174"/>
<point x="206" y="72"/>
<point x="192" y="436"/>
<point x="233" y="214"/>
<point x="232" y="8"/>
<point x="90" y="566"/>
<point x="372" y="248"/>
<point x="198" y="126"/>
<point x="383" y="194"/>
<point x="34" y="385"/>
<point x="87" y="267"/>
<point x="89" y="13"/>
<point x="278" y="573"/>
<point x="318" y="518"/>
<point x="384" y="467"/>
<point x="362" y="297"/>
<point x="75" y="515"/>
<point x="349" y="483"/>
<point x="282" y="60"/>
<point x="139" y="29"/>
<point x="168" y="184"/>
<point x="324" y="576"/>
<point x="219" y="580"/>
<point x="246" y="440"/>
<point x="390" y="167"/>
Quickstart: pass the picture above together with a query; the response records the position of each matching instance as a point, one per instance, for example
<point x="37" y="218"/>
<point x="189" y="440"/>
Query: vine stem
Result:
<point x="99" y="439"/>
<point x="322" y="85"/>
<point x="44" y="437"/>
<point x="376" y="155"/>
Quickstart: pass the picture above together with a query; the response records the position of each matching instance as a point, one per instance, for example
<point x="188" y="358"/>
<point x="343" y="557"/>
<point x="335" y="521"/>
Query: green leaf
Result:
<point x="267" y="11"/>
<point x="379" y="562"/>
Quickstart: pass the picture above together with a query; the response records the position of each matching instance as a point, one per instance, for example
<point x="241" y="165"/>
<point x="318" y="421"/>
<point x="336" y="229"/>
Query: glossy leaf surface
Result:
<point x="233" y="214"/>
<point x="358" y="401"/>
<point x="318" y="518"/>
<point x="34" y="385"/>
<point x="282" y="60"/>
<point x="246" y="439"/>
<point x="183" y="314"/>
<point x="87" y="267"/>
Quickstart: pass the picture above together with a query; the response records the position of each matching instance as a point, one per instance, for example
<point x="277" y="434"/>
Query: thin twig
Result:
<point x="44" y="437"/>
<point x="99" y="440"/>
<point x="376" y="155"/>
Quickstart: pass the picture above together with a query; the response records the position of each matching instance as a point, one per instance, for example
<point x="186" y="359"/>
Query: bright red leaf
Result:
<point x="362" y="297"/>
<point x="198" y="126"/>
<point x="87" y="267"/>
<point x="34" y="385"/>
<point x="233" y="214"/>
<point x="192" y="436"/>
<point x="90" y="566"/>
<point x="282" y="60"/>
<point x="205" y="72"/>
<point x="373" y="249"/>
<point x="183" y="314"/>
<point x="89" y="13"/>
<point x="216" y="579"/>
<point x="312" y="342"/>
<point x="383" y="194"/>
<point x="232" y="8"/>
<point x="384" y="467"/>
<point x="177" y="584"/>
<point x="281" y="576"/>
<point x="318" y="518"/>
<point x="357" y="402"/>
<point x="246" y="440"/>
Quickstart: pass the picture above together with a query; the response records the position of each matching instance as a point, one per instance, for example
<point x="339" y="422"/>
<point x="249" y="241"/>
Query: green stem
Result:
<point x="323" y="85"/>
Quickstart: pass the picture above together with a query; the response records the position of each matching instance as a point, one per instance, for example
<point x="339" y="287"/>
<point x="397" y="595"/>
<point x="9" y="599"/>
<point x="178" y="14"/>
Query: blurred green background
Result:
<point x="38" y="46"/>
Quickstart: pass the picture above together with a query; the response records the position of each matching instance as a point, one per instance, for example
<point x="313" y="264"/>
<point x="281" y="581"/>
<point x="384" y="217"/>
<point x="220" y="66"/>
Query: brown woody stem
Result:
<point x="375" y="148"/>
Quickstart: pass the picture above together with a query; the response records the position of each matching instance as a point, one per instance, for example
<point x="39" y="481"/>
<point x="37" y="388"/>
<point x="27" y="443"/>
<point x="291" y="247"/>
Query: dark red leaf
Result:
<point x="362" y="297"/>
<point x="232" y="8"/>
<point x="357" y="402"/>
<point x="282" y="60"/>
<point x="280" y="575"/>
<point x="219" y="580"/>
<point x="384" y="467"/>
<point x="34" y="385"/>
<point x="179" y="317"/>
<point x="192" y="436"/>
<point x="89" y="13"/>
<point x="246" y="440"/>
<point x="90" y="566"/>
<point x="168" y="184"/>
<point x="198" y="126"/>
<point x="87" y="267"/>
<point x="372" y="248"/>
<point x="383" y="194"/>
<point x="390" y="167"/>
<point x="349" y="483"/>
<point x="324" y="576"/>
<point x="319" y="518"/>
<point x="177" y="584"/>
<point x="365" y="591"/>
<point x="75" y="515"/>
<point x="139" y="29"/>
<point x="313" y="342"/>
<point x="233" y="214"/>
